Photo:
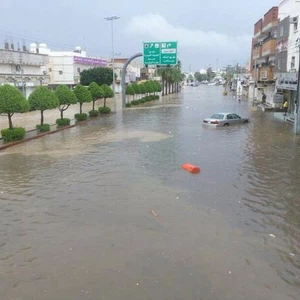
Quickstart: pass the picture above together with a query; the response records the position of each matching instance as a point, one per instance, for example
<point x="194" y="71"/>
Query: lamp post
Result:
<point x="112" y="19"/>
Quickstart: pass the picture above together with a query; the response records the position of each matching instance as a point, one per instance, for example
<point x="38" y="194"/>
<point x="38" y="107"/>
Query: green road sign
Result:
<point x="160" y="53"/>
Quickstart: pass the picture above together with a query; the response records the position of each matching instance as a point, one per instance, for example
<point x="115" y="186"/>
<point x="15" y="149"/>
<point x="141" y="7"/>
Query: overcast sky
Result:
<point x="205" y="30"/>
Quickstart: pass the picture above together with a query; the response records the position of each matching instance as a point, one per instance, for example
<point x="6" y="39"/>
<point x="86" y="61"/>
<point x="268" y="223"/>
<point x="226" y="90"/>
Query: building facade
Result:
<point x="65" y="66"/>
<point x="25" y="69"/>
<point x="263" y="56"/>
<point x="287" y="54"/>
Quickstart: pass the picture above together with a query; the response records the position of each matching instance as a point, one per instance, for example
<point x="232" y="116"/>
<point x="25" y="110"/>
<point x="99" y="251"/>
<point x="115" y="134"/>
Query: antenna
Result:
<point x="12" y="46"/>
<point x="24" y="45"/>
<point x="6" y="44"/>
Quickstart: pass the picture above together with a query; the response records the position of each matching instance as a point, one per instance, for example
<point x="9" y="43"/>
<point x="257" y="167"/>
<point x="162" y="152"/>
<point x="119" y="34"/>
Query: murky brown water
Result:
<point x="74" y="208"/>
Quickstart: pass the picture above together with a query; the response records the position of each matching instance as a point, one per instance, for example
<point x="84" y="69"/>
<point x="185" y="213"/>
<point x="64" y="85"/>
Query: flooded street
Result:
<point x="75" y="219"/>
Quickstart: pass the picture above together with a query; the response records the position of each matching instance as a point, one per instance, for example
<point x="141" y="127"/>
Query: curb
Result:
<point x="34" y="137"/>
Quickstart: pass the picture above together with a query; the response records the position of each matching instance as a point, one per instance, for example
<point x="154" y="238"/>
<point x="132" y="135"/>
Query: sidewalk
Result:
<point x="30" y="119"/>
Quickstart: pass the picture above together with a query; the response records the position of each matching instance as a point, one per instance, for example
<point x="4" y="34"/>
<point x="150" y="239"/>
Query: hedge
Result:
<point x="94" y="113"/>
<point x="14" y="134"/>
<point x="43" y="128"/>
<point x="81" y="117"/>
<point x="104" y="110"/>
<point x="63" y="122"/>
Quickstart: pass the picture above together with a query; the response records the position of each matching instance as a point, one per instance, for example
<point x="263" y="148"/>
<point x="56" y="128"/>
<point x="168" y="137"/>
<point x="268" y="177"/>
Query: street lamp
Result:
<point x="112" y="19"/>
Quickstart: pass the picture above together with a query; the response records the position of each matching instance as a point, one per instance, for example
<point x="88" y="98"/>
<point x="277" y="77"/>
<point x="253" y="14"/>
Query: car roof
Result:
<point x="224" y="113"/>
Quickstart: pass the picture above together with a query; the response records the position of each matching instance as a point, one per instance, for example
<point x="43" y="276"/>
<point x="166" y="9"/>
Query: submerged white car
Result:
<point x="224" y="119"/>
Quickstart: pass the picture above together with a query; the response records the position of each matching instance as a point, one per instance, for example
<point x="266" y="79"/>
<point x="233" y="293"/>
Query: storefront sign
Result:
<point x="287" y="81"/>
<point x="90" y="61"/>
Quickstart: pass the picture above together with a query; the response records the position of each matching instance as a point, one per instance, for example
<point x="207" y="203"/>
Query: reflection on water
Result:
<point x="74" y="207"/>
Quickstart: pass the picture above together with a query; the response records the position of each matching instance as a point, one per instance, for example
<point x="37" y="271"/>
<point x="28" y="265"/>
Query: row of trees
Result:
<point x="42" y="99"/>
<point x="148" y="87"/>
<point x="171" y="79"/>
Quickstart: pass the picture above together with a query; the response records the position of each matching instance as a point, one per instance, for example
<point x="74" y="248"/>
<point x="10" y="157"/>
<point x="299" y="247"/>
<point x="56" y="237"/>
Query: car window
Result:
<point x="217" y="116"/>
<point x="235" y="116"/>
<point x="229" y="117"/>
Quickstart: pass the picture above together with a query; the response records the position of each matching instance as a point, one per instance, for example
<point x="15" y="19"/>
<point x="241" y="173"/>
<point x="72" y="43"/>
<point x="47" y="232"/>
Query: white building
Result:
<point x="291" y="9"/>
<point x="25" y="69"/>
<point x="65" y="66"/>
<point x="287" y="58"/>
<point x="134" y="72"/>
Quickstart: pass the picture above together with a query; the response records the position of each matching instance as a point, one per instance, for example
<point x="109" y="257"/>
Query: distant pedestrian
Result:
<point x="285" y="106"/>
<point x="264" y="98"/>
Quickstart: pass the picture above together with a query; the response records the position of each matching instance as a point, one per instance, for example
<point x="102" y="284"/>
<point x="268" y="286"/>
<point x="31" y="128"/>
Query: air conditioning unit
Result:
<point x="294" y="20"/>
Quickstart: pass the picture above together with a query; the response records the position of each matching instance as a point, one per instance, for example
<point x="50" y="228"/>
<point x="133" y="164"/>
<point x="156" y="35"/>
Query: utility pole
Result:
<point x="111" y="19"/>
<point x="297" y="117"/>
<point x="254" y="81"/>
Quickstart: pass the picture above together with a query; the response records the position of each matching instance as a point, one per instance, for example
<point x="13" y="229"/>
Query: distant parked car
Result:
<point x="224" y="119"/>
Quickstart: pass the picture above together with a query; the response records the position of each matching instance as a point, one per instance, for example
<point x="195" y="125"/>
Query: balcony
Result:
<point x="266" y="73"/>
<point x="270" y="27"/>
<point x="269" y="48"/>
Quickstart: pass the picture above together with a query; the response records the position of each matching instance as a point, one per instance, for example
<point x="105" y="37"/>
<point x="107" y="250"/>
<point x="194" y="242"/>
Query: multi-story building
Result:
<point x="65" y="66"/>
<point x="287" y="54"/>
<point x="25" y="69"/>
<point x="263" y="56"/>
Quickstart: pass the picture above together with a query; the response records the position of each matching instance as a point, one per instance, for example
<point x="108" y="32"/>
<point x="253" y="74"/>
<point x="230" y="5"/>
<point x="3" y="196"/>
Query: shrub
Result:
<point x="14" y="134"/>
<point x="63" y="122"/>
<point x="128" y="104"/>
<point x="81" y="117"/>
<point x="43" y="128"/>
<point x="104" y="110"/>
<point x="143" y="100"/>
<point x="135" y="102"/>
<point x="94" y="113"/>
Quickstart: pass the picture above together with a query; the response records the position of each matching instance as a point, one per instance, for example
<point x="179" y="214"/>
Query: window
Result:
<point x="296" y="26"/>
<point x="279" y="64"/>
<point x="50" y="70"/>
<point x="229" y="117"/>
<point x="217" y="116"/>
<point x="281" y="30"/>
<point x="60" y="72"/>
<point x="236" y="116"/>
<point x="293" y="62"/>
<point x="78" y="70"/>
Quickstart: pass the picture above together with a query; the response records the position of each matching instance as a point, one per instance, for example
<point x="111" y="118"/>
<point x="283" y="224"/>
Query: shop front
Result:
<point x="286" y="87"/>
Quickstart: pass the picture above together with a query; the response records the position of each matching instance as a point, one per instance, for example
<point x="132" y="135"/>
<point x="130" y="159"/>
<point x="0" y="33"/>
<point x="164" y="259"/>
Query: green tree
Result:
<point x="198" y="76"/>
<point x="12" y="101"/>
<point x="148" y="87"/>
<point x="107" y="93"/>
<point x="157" y="86"/>
<point x="129" y="90"/>
<point x="83" y="95"/>
<point x="99" y="75"/>
<point x="136" y="88"/>
<point x="210" y="74"/>
<point x="96" y="92"/>
<point x="43" y="99"/>
<point x="142" y="88"/>
<point x="66" y="97"/>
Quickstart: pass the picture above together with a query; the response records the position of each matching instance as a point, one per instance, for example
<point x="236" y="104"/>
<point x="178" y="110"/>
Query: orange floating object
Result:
<point x="191" y="168"/>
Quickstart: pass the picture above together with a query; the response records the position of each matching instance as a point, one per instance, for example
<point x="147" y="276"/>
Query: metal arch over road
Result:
<point x="124" y="75"/>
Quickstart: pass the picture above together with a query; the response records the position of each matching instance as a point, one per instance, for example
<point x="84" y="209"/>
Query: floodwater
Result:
<point x="104" y="211"/>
